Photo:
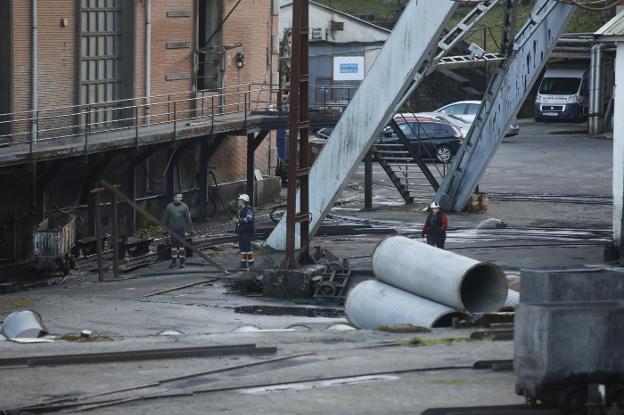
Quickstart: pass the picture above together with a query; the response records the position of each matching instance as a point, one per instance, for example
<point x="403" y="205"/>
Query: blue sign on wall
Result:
<point x="349" y="68"/>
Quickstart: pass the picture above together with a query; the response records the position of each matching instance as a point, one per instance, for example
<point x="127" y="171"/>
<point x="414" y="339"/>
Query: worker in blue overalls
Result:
<point x="245" y="228"/>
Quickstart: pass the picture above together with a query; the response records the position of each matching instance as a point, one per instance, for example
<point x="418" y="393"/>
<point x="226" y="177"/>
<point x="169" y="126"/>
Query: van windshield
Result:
<point x="560" y="86"/>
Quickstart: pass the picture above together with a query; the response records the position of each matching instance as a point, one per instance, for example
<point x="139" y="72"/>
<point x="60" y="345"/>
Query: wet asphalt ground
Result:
<point x="551" y="190"/>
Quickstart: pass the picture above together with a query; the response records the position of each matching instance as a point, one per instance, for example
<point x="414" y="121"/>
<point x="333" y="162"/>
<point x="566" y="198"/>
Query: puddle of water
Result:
<point x="354" y="380"/>
<point x="292" y="311"/>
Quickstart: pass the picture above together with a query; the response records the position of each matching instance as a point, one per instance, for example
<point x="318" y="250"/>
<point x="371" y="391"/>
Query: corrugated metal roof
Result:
<point x="614" y="27"/>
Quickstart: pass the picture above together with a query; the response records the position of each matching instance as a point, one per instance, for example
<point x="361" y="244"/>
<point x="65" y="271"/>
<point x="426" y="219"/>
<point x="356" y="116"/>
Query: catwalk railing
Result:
<point x="140" y="117"/>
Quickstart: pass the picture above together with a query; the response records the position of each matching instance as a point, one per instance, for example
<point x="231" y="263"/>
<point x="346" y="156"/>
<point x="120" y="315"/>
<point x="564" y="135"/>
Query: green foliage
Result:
<point x="148" y="229"/>
<point x="487" y="34"/>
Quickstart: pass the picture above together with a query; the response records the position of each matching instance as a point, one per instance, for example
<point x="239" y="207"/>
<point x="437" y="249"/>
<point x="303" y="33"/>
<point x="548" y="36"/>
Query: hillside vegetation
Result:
<point x="488" y="32"/>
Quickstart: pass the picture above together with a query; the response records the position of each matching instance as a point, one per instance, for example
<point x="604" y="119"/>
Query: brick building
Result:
<point x="126" y="60"/>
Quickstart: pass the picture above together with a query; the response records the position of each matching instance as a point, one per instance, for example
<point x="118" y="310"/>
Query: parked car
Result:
<point x="468" y="111"/>
<point x="432" y="139"/>
<point x="455" y="120"/>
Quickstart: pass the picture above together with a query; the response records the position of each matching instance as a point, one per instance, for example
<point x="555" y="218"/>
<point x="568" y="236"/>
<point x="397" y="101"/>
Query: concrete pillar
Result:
<point x="618" y="150"/>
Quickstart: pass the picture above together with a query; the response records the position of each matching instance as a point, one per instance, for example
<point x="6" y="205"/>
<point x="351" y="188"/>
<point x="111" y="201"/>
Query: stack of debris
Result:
<point x="423" y="286"/>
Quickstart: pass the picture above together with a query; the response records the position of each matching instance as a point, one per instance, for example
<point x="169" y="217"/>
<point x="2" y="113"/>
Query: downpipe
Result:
<point x="444" y="277"/>
<point x="372" y="304"/>
<point x="595" y="91"/>
<point x="34" y="74"/>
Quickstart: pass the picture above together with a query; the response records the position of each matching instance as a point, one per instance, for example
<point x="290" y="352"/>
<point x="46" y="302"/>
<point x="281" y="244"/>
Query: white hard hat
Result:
<point x="244" y="198"/>
<point x="434" y="205"/>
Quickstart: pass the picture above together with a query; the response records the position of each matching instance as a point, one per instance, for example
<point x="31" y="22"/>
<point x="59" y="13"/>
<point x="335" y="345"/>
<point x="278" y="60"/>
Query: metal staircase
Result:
<point x="404" y="173"/>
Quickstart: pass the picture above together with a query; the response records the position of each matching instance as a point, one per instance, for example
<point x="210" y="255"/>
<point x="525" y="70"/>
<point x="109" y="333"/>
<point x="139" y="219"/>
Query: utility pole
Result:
<point x="298" y="144"/>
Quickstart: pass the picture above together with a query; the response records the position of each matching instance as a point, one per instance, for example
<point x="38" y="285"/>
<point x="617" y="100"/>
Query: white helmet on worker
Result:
<point x="434" y="205"/>
<point x="244" y="198"/>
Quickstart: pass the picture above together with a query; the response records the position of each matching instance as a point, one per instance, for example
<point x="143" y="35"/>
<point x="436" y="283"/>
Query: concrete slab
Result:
<point x="546" y="286"/>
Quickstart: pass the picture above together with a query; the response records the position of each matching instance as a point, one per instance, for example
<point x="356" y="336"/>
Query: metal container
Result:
<point x="441" y="276"/>
<point x="372" y="304"/>
<point x="563" y="345"/>
<point x="23" y="324"/>
<point x="55" y="237"/>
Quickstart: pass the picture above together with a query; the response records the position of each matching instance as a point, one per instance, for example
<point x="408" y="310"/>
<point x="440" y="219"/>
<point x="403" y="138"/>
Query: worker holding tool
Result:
<point x="245" y="229"/>
<point x="178" y="219"/>
<point x="435" y="226"/>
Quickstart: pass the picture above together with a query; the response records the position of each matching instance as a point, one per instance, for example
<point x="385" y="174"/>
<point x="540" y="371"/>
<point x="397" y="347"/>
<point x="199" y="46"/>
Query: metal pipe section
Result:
<point x="513" y="298"/>
<point x="34" y="73"/>
<point x="441" y="276"/>
<point x="595" y="90"/>
<point x="372" y="304"/>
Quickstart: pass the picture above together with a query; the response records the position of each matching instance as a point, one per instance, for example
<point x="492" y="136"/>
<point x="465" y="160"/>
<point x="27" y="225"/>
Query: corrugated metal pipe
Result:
<point x="372" y="304"/>
<point x="595" y="91"/>
<point x="441" y="276"/>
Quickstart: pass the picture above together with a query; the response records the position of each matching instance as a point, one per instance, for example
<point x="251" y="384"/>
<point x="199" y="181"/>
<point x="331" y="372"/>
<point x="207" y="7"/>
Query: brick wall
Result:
<point x="56" y="72"/>
<point x="5" y="67"/>
<point x="171" y="62"/>
<point x="21" y="64"/>
<point x="56" y="83"/>
<point x="250" y="25"/>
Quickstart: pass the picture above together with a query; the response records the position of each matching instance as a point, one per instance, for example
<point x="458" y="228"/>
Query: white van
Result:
<point x="563" y="95"/>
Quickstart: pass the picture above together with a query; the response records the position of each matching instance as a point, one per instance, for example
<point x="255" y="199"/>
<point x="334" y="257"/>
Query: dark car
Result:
<point x="432" y="140"/>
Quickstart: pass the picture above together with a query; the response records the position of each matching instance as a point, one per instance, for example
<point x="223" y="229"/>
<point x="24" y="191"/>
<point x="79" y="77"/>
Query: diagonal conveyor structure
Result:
<point x="411" y="43"/>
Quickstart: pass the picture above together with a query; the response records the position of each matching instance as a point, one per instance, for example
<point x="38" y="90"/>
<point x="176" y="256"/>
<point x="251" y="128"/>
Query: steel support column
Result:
<point x="509" y="87"/>
<point x="131" y="192"/>
<point x="298" y="144"/>
<point x="368" y="182"/>
<point x="250" y="167"/>
<point x="46" y="173"/>
<point x="135" y="159"/>
<point x="203" y="180"/>
<point x="96" y="165"/>
<point x="618" y="152"/>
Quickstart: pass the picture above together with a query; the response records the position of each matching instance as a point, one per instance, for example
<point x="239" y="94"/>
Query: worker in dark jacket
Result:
<point x="178" y="219"/>
<point x="245" y="229"/>
<point x="435" y="226"/>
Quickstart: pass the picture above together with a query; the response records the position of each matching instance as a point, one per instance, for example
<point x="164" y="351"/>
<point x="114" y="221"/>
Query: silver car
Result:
<point x="468" y="111"/>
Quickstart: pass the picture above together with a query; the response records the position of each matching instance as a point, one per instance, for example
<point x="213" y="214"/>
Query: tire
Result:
<point x="573" y="399"/>
<point x="444" y="154"/>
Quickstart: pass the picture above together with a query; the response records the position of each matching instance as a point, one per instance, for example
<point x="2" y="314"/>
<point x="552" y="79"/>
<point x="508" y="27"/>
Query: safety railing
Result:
<point x="134" y="118"/>
<point x="131" y="118"/>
